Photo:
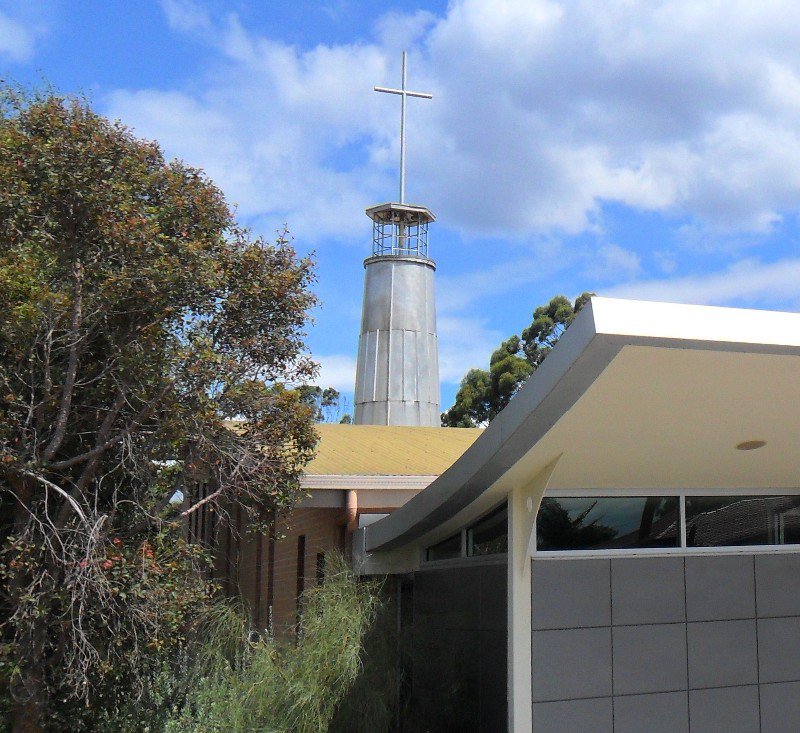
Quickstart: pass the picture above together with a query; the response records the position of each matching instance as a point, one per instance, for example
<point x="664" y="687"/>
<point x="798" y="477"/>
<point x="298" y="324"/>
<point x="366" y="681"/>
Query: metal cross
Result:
<point x="403" y="92"/>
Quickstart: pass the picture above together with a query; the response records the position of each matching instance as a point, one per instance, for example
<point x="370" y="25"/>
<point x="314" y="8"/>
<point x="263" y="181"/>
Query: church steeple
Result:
<point x="397" y="372"/>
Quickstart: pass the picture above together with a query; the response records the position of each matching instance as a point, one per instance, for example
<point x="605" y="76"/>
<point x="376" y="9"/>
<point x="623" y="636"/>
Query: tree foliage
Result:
<point x="327" y="405"/>
<point x="484" y="393"/>
<point x="138" y="319"/>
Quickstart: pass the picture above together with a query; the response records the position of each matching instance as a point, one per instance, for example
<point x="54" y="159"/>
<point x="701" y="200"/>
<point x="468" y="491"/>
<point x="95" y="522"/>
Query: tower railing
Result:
<point x="406" y="234"/>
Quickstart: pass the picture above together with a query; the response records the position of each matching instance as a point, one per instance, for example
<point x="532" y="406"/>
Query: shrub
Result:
<point x="270" y="684"/>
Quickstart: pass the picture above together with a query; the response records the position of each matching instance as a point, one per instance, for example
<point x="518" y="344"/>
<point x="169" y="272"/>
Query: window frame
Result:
<point x="682" y="548"/>
<point x="465" y="557"/>
<point x="469" y="532"/>
<point x="460" y="556"/>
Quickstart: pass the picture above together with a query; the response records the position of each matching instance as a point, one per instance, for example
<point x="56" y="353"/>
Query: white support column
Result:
<point x="523" y="504"/>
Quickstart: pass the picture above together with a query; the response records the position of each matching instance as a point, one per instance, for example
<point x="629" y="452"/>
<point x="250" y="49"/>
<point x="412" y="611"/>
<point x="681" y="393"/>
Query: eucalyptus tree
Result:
<point x="483" y="393"/>
<point x="138" y="319"/>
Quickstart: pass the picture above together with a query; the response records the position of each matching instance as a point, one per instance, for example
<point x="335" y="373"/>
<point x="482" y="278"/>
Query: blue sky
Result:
<point x="637" y="149"/>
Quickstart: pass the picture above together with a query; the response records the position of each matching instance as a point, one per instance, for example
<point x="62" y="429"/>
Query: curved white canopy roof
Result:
<point x="635" y="394"/>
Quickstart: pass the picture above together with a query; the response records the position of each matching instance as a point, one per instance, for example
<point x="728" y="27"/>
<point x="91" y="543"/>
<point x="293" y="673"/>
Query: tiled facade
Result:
<point x="695" y="644"/>
<point x="459" y="649"/>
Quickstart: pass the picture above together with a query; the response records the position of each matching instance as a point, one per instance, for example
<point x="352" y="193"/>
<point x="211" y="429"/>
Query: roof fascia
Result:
<point x="603" y="327"/>
<point x="366" y="482"/>
<point x="532" y="412"/>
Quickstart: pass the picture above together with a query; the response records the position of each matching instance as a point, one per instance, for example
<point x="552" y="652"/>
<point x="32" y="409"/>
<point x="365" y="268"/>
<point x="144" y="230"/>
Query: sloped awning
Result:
<point x="635" y="395"/>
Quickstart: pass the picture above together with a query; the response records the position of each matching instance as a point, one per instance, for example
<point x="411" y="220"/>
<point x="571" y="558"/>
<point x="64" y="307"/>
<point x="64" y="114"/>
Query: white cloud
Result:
<point x="337" y="371"/>
<point x="396" y="30"/>
<point x="747" y="282"/>
<point x="186" y="16"/>
<point x="17" y="41"/>
<point x="646" y="104"/>
<point x="456" y="292"/>
<point x="464" y="343"/>
<point x="268" y="126"/>
<point x="612" y="262"/>
<point x="542" y="111"/>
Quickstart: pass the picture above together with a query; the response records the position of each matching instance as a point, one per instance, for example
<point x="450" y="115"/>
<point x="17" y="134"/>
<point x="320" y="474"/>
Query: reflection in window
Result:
<point x="600" y="523"/>
<point x="489" y="536"/>
<point x="714" y="521"/>
<point x="446" y="549"/>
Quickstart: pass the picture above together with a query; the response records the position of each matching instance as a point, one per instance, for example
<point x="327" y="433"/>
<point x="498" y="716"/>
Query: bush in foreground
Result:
<point x="269" y="684"/>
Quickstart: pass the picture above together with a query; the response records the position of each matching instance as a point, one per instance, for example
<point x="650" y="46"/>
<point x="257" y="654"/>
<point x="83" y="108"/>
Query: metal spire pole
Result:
<point x="404" y="93"/>
<point x="403" y="135"/>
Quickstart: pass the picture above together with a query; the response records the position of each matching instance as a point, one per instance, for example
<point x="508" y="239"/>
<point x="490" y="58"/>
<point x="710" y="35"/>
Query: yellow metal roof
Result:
<point x="380" y="450"/>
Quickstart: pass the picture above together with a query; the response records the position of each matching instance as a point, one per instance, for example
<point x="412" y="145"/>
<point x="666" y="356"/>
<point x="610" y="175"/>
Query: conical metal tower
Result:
<point x="397" y="373"/>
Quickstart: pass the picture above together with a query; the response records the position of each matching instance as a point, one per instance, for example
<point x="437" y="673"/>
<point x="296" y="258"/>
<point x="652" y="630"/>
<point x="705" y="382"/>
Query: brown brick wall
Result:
<point x="323" y="531"/>
<point x="241" y="570"/>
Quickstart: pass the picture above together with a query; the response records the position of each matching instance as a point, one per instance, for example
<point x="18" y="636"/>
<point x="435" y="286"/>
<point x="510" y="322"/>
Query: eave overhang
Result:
<point x="634" y="394"/>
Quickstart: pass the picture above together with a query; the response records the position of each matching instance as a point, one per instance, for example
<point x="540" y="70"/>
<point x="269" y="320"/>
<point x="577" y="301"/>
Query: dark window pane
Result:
<point x="597" y="523"/>
<point x="489" y="536"/>
<point x="446" y="549"/>
<point x="714" y="521"/>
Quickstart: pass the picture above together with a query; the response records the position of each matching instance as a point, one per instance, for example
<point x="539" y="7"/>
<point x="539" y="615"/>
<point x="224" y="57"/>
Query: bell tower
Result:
<point x="397" y="372"/>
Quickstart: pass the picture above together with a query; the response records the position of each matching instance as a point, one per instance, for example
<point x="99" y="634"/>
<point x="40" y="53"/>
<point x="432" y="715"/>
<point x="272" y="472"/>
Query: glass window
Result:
<point x="446" y="549"/>
<point x="601" y="523"/>
<point x="714" y="521"/>
<point x="489" y="536"/>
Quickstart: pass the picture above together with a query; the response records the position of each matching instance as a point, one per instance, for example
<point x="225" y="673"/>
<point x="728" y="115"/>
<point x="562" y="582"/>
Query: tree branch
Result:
<point x="153" y="515"/>
<point x="102" y="443"/>
<point x="72" y="366"/>
<point x="50" y="485"/>
<point x="47" y="377"/>
<point x="93" y="456"/>
<point x="213" y="495"/>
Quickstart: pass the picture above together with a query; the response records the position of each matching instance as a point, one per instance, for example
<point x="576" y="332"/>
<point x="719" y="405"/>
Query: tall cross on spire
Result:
<point x="403" y="92"/>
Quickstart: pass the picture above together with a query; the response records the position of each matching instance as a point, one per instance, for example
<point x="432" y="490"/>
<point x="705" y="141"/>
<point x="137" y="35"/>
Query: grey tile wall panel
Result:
<point x="720" y="588"/>
<point x="447" y="599"/>
<point x="722" y="653"/>
<point x="493" y="680"/>
<point x="779" y="649"/>
<point x="571" y="663"/>
<point x="778" y="585"/>
<point x="494" y="597"/>
<point x="780" y="708"/>
<point x="574" y="716"/>
<point x="724" y="710"/>
<point x="647" y="590"/>
<point x="570" y="593"/>
<point x="667" y="712"/>
<point x="649" y="658"/>
<point x="728" y="650"/>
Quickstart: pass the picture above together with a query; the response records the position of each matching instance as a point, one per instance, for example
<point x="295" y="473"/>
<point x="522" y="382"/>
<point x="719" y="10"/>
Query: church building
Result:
<point x="394" y="449"/>
<point x="619" y="550"/>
